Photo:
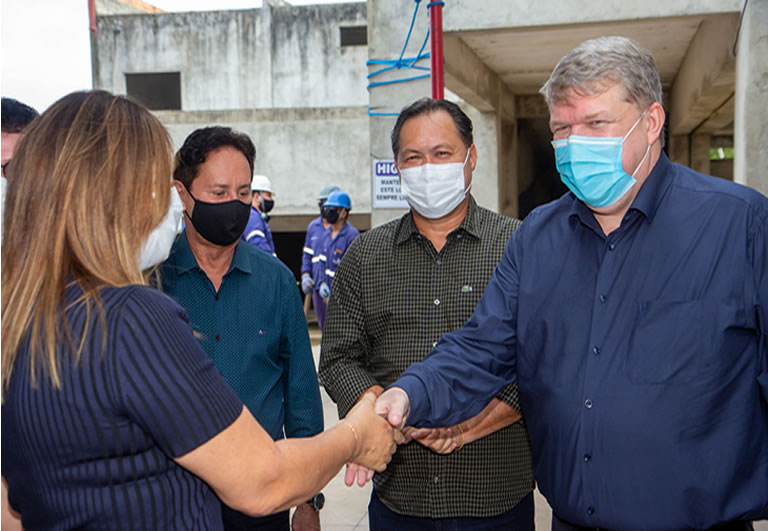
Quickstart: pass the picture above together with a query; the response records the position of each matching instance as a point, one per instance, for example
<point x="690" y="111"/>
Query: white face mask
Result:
<point x="434" y="190"/>
<point x="160" y="240"/>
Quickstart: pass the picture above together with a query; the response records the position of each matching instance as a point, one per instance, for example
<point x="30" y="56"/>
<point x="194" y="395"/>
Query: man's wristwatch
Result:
<point x="317" y="501"/>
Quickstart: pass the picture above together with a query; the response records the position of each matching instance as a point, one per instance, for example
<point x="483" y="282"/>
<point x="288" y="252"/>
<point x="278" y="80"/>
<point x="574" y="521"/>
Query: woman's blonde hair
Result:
<point x="88" y="182"/>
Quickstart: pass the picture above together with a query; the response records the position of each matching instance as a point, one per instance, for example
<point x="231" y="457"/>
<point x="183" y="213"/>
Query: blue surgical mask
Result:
<point x="591" y="167"/>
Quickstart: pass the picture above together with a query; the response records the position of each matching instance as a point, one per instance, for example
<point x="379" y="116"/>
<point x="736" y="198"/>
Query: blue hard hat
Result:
<point x="339" y="198"/>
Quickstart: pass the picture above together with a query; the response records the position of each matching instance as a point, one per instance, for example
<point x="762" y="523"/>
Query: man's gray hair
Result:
<point x="593" y="64"/>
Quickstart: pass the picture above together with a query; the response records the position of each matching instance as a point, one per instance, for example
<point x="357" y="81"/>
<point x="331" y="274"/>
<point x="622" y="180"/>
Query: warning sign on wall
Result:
<point x="386" y="185"/>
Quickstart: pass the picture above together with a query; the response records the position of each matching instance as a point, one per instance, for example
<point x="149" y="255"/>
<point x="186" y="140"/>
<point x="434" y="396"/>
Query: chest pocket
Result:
<point x="684" y="341"/>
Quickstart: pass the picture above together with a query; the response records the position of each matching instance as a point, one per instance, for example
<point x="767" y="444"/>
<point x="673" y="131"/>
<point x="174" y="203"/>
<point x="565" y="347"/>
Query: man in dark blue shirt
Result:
<point x="242" y="302"/>
<point x="633" y="313"/>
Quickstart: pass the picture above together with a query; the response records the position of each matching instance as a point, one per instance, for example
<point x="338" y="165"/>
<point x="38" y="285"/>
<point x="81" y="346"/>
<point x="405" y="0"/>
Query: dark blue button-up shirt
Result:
<point x="255" y="332"/>
<point x="641" y="356"/>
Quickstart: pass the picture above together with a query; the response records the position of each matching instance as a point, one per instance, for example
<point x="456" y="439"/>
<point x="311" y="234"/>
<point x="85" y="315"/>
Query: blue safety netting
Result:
<point x="402" y="62"/>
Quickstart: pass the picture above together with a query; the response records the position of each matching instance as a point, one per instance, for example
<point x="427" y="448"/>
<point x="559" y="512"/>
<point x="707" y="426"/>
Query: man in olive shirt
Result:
<point x="398" y="289"/>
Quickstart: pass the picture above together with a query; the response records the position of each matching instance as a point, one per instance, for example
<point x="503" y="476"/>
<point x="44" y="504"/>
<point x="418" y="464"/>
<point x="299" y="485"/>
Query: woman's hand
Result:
<point x="375" y="439"/>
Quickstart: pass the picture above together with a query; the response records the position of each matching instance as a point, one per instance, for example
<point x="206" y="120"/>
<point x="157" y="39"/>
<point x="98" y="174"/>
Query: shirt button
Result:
<point x="436" y="480"/>
<point x="439" y="262"/>
<point x="596" y="351"/>
<point x="218" y="337"/>
<point x="590" y="510"/>
<point x="587" y="458"/>
<point x="588" y="403"/>
<point x="611" y="246"/>
<point x="603" y="298"/>
<point x="217" y="296"/>
<point x="437" y="302"/>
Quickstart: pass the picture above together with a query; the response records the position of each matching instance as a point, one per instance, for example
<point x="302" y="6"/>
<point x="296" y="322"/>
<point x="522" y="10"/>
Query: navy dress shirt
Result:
<point x="641" y="356"/>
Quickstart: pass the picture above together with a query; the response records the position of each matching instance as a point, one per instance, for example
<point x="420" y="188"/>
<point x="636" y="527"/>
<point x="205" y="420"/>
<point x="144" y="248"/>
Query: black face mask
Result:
<point x="220" y="223"/>
<point x="267" y="204"/>
<point x="331" y="215"/>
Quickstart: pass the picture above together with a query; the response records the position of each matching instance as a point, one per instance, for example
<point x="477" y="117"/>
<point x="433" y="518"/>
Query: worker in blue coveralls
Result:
<point x="257" y="231"/>
<point x="311" y="267"/>
<point x="336" y="240"/>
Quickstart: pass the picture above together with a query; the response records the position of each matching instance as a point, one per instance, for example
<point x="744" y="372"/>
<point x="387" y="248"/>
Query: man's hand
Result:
<point x="324" y="290"/>
<point x="307" y="284"/>
<point x="362" y="474"/>
<point x="439" y="440"/>
<point x="305" y="518"/>
<point x="394" y="405"/>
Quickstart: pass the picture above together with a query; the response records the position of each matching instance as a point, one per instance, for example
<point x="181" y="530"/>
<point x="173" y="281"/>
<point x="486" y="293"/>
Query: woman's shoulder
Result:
<point x="137" y="304"/>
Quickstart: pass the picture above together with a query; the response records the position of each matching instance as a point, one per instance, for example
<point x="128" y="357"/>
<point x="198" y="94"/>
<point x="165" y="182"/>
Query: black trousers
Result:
<point x="237" y="521"/>
<point x="558" y="524"/>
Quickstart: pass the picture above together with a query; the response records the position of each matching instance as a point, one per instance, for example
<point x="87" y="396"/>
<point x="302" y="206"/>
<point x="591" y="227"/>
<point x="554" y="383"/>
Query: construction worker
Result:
<point x="257" y="231"/>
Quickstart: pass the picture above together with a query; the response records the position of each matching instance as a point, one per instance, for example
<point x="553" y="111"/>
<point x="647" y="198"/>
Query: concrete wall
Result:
<point x="299" y="149"/>
<point x="256" y="58"/>
<point x="278" y="74"/>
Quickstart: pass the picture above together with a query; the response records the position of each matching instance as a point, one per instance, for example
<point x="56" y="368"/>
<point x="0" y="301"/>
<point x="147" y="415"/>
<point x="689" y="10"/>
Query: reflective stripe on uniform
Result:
<point x="309" y="250"/>
<point x="253" y="233"/>
<point x="330" y="273"/>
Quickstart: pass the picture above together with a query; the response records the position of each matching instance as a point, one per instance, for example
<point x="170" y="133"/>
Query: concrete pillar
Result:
<point x="485" y="125"/>
<point x="509" y="182"/>
<point x="700" y="145"/>
<point x="751" y="112"/>
<point x="387" y="28"/>
<point x="679" y="149"/>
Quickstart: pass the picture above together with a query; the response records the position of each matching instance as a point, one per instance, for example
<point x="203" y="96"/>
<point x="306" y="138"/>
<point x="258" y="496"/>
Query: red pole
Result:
<point x="92" y="15"/>
<point x="436" y="49"/>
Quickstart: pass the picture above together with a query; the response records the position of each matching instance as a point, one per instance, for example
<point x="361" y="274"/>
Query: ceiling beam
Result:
<point x="468" y="77"/>
<point x="706" y="78"/>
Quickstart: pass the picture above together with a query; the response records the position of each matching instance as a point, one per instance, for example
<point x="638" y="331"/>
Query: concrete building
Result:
<point x="712" y="55"/>
<point x="295" y="79"/>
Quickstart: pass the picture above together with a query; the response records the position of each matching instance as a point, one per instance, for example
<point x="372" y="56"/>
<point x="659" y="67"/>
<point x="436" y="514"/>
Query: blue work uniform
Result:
<point x="333" y="251"/>
<point x="310" y="257"/>
<point x="257" y="232"/>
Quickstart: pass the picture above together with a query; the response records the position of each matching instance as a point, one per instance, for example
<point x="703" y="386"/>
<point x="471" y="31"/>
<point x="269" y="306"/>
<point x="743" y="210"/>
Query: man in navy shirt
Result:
<point x="633" y="313"/>
<point x="242" y="302"/>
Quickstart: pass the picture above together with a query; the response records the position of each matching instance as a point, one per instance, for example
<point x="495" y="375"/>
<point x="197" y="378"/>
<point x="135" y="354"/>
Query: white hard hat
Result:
<point x="261" y="183"/>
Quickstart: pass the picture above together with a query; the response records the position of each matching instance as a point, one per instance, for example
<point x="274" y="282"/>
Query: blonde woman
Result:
<point x="113" y="417"/>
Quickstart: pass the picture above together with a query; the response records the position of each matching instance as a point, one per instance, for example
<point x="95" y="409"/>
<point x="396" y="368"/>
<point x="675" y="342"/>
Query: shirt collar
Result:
<point x="647" y="201"/>
<point x="470" y="224"/>
<point x="186" y="261"/>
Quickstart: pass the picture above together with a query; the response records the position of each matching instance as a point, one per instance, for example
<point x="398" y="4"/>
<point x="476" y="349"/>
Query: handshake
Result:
<point x="379" y="423"/>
